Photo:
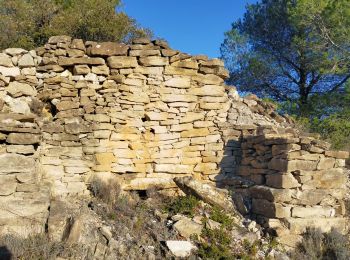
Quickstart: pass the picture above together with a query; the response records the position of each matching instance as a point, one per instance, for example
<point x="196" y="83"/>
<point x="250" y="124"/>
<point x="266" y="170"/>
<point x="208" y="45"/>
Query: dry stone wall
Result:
<point x="299" y="183"/>
<point x="71" y="111"/>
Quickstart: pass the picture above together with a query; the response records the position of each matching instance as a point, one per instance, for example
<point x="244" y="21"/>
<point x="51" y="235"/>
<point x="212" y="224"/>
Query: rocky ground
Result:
<point x="146" y="225"/>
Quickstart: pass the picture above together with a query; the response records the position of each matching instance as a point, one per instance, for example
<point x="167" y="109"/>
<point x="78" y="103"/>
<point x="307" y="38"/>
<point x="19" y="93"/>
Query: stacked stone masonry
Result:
<point x="144" y="113"/>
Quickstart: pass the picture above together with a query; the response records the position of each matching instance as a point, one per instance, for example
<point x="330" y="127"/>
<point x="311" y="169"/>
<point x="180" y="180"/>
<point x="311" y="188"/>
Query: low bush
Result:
<point x="108" y="192"/>
<point x="219" y="215"/>
<point x="183" y="205"/>
<point x="318" y="245"/>
<point x="37" y="247"/>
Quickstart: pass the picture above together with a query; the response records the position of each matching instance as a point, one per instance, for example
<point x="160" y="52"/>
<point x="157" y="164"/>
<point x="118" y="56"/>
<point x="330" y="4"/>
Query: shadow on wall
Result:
<point x="5" y="253"/>
<point x="279" y="176"/>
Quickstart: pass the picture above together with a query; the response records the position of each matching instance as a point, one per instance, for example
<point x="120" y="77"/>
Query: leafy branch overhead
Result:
<point x="30" y="23"/>
<point x="290" y="50"/>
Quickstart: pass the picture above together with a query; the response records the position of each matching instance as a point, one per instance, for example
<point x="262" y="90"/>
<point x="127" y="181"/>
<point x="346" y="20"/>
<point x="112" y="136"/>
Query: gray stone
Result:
<point x="26" y="61"/>
<point x="23" y="138"/>
<point x="186" y="227"/>
<point x="180" y="248"/>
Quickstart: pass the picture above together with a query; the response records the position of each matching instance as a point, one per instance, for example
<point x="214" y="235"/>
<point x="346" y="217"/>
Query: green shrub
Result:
<point x="318" y="245"/>
<point x="183" y="205"/>
<point x="216" y="245"/>
<point x="218" y="214"/>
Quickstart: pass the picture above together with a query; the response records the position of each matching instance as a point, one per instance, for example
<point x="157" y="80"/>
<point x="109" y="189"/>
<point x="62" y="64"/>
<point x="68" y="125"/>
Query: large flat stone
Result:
<point x="65" y="61"/>
<point x="23" y="138"/>
<point x="271" y="194"/>
<point x="108" y="49"/>
<point x="11" y="163"/>
<point x="120" y="62"/>
<point x="17" y="89"/>
<point x="270" y="209"/>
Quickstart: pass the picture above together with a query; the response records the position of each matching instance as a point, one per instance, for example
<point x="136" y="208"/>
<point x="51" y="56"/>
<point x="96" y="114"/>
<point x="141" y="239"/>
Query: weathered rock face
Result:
<point x="144" y="114"/>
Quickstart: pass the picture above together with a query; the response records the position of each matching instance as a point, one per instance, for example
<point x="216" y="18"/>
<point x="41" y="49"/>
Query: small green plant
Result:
<point x="216" y="245"/>
<point x="183" y="205"/>
<point x="318" y="245"/>
<point x="219" y="215"/>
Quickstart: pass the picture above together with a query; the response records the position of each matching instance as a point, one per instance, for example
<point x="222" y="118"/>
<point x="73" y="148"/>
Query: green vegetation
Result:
<point x="27" y="24"/>
<point x="216" y="245"/>
<point x="297" y="53"/>
<point x="183" y="205"/>
<point x="318" y="245"/>
<point x="219" y="215"/>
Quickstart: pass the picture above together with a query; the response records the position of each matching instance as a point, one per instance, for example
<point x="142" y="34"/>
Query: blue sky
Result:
<point x="192" y="26"/>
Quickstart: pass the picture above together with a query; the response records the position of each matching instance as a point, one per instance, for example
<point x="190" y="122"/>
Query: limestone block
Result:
<point x="338" y="154"/>
<point x="325" y="163"/>
<point x="76" y="169"/>
<point x="191" y="117"/>
<point x="102" y="134"/>
<point x="169" y="98"/>
<point x="197" y="132"/>
<point x="270" y="209"/>
<point x="271" y="194"/>
<point x="299" y="225"/>
<point x="100" y="70"/>
<point x="26" y="61"/>
<point x="153" y="61"/>
<point x="208" y="90"/>
<point x="76" y="187"/>
<point x="67" y="105"/>
<point x="144" y="53"/>
<point x="329" y="179"/>
<point x="53" y="171"/>
<point x="187" y="227"/>
<point x="119" y="62"/>
<point x="312" y="212"/>
<point x="27" y="187"/>
<point x="149" y="182"/>
<point x="311" y="197"/>
<point x="5" y="60"/>
<point x="214" y="106"/>
<point x="189" y="64"/>
<point x="181" y="127"/>
<point x="23" y="138"/>
<point x="81" y="70"/>
<point x="8" y="184"/>
<point x="171" y="70"/>
<point x="76" y="128"/>
<point x="201" y="167"/>
<point x="282" y="181"/>
<point x="173" y="168"/>
<point x="156" y="116"/>
<point x="213" y="63"/>
<point x="17" y="89"/>
<point x="180" y="248"/>
<point x="10" y="72"/>
<point x="101" y="118"/>
<point x="26" y="177"/>
<point x="21" y="149"/>
<point x="208" y="79"/>
<point x="77" y="44"/>
<point x="67" y="61"/>
<point x="108" y="49"/>
<point x="178" y="82"/>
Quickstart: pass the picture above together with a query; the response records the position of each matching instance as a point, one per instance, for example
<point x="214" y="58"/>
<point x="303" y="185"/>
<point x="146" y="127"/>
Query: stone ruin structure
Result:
<point x="143" y="113"/>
